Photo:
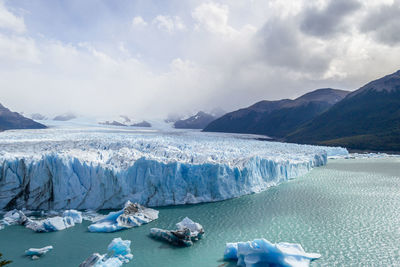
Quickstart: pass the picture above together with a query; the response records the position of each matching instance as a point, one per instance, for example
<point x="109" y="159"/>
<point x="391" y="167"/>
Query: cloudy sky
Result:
<point x="149" y="58"/>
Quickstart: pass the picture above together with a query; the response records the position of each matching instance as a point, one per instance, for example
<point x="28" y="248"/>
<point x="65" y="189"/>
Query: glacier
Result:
<point x="119" y="252"/>
<point x="88" y="167"/>
<point x="261" y="252"/>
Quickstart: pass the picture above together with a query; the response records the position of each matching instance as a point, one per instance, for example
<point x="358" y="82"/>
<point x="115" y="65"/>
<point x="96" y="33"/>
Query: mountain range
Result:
<point x="368" y="118"/>
<point x="365" y="119"/>
<point x="277" y="118"/>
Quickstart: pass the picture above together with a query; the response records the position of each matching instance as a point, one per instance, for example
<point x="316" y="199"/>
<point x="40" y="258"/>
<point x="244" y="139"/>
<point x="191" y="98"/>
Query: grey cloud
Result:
<point x="281" y="45"/>
<point x="328" y="21"/>
<point x="384" y="24"/>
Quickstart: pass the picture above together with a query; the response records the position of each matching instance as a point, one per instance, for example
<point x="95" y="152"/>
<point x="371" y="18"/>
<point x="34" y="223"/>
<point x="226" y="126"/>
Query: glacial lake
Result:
<point x="348" y="211"/>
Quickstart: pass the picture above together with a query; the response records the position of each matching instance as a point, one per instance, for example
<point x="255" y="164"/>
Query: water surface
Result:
<point x="348" y="211"/>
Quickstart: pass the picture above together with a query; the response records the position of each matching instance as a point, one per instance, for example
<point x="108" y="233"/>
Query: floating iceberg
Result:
<point x="261" y="252"/>
<point x="52" y="224"/>
<point x="131" y="215"/>
<point x="74" y="214"/>
<point x="35" y="253"/>
<point x="101" y="168"/>
<point x="13" y="217"/>
<point x="119" y="252"/>
<point x="187" y="232"/>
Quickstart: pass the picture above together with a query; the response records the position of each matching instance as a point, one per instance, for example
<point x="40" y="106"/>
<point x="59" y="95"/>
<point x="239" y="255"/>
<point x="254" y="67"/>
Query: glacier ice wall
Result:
<point x="95" y="168"/>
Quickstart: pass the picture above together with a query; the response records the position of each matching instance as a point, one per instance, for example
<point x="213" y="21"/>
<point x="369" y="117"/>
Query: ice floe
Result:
<point x="35" y="253"/>
<point x="131" y="215"/>
<point x="261" y="252"/>
<point x="119" y="252"/>
<point x="51" y="224"/>
<point x="187" y="232"/>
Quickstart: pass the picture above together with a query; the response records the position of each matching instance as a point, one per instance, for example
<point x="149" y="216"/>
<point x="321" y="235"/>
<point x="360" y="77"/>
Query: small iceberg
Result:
<point x="261" y="252"/>
<point x="132" y="215"/>
<point x="187" y="232"/>
<point x="74" y="214"/>
<point x="119" y="252"/>
<point x="52" y="224"/>
<point x="35" y="253"/>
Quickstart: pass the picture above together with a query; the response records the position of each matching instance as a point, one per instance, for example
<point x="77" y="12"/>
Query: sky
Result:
<point x="151" y="58"/>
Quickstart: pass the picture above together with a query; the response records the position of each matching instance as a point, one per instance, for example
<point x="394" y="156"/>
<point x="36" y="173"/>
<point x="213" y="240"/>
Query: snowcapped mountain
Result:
<point x="198" y="121"/>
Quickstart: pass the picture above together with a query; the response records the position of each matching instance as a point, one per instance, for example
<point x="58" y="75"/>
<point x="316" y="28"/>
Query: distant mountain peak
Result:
<point x="198" y="121"/>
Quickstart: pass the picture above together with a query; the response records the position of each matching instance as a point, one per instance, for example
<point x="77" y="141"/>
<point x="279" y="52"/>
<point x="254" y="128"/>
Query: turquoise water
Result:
<point x="348" y="211"/>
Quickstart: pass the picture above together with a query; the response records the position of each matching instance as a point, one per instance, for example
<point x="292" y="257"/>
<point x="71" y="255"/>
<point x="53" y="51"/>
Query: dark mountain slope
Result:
<point x="13" y="120"/>
<point x="368" y="118"/>
<point x="277" y="118"/>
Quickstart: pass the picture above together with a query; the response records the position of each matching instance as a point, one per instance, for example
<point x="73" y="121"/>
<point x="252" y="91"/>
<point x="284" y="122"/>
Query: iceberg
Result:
<point x="13" y="217"/>
<point x="96" y="168"/>
<point x="35" y="253"/>
<point x="74" y="214"/>
<point x="119" y="252"/>
<point x="132" y="215"/>
<point x="52" y="224"/>
<point x="187" y="232"/>
<point x="261" y="252"/>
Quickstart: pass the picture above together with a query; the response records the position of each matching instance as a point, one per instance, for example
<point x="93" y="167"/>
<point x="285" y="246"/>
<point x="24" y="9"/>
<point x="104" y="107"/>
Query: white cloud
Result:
<point x="243" y="51"/>
<point x="9" y="21"/>
<point x="139" y="22"/>
<point x="213" y="17"/>
<point x="169" y="23"/>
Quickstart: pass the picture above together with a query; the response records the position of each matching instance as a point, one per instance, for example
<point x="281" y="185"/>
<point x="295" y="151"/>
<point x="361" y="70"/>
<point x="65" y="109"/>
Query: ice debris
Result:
<point x="35" y="253"/>
<point x="52" y="224"/>
<point x="119" y="252"/>
<point x="131" y="215"/>
<point x="261" y="252"/>
<point x="187" y="232"/>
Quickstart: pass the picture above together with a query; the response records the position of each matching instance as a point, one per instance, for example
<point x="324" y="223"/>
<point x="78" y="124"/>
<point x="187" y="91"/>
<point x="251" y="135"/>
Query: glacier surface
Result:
<point x="71" y="167"/>
<point x="261" y="252"/>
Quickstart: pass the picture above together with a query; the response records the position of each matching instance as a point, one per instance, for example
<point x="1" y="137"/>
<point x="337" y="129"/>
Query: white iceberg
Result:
<point x="196" y="229"/>
<point x="119" y="252"/>
<point x="132" y="215"/>
<point x="187" y="232"/>
<point x="13" y="217"/>
<point x="101" y="168"/>
<point x="51" y="224"/>
<point x="74" y="214"/>
<point x="35" y="253"/>
<point x="261" y="252"/>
